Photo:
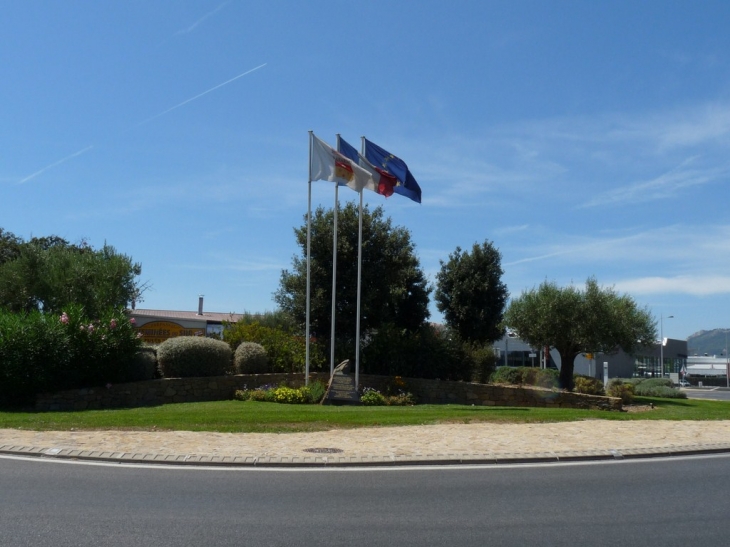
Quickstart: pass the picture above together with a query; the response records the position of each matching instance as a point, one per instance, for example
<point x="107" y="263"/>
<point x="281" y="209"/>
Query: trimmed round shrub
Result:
<point x="251" y="358"/>
<point x="192" y="356"/>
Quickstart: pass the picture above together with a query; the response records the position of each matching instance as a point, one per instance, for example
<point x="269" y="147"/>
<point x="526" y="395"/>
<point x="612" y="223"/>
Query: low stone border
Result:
<point x="185" y="390"/>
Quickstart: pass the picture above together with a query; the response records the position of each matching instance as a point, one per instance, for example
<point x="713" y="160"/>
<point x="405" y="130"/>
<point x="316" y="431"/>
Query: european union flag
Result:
<point x="347" y="150"/>
<point x="407" y="185"/>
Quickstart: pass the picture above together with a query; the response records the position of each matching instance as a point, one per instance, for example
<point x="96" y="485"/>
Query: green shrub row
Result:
<point x="428" y="352"/>
<point x="656" y="387"/>
<point x="525" y="376"/>
<point x="373" y="397"/>
<point x="48" y="352"/>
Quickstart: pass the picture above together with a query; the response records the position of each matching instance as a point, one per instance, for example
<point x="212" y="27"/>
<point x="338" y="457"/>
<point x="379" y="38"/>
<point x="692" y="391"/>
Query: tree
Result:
<point x="574" y="322"/>
<point x="10" y="245"/>
<point x="49" y="274"/>
<point x="394" y="288"/>
<point x="470" y="293"/>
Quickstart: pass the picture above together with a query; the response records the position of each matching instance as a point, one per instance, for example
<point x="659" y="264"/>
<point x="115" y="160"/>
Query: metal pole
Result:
<point x="309" y="262"/>
<point x="661" y="346"/>
<point x="334" y="275"/>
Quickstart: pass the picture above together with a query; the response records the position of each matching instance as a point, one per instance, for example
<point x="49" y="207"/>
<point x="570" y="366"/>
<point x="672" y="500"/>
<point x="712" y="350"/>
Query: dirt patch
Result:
<point x="639" y="408"/>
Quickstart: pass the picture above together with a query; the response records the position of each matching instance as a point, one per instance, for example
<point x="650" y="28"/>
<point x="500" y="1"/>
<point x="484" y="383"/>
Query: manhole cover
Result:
<point x="324" y="450"/>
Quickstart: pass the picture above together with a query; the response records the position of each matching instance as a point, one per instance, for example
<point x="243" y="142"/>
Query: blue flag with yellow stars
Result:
<point x="407" y="185"/>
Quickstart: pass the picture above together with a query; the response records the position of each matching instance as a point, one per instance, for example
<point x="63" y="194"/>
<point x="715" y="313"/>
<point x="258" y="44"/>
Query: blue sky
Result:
<point x="583" y="138"/>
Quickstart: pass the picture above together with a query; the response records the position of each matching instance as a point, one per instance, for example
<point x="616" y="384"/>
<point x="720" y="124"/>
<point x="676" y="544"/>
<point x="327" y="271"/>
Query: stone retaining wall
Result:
<point x="185" y="390"/>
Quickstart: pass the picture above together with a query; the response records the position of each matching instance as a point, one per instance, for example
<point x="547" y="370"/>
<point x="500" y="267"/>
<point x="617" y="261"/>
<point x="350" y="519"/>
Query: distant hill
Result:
<point x="711" y="342"/>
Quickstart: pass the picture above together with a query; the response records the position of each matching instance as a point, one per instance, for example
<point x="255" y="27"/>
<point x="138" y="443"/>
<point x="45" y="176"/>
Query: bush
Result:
<point x="424" y="353"/>
<point x="402" y="398"/>
<point x="193" y="356"/>
<point x="144" y="365"/>
<point x="286" y="351"/>
<point x="507" y="375"/>
<point x="372" y="397"/>
<point x="547" y="377"/>
<point x="47" y="352"/>
<point x="588" y="385"/>
<point x="659" y="391"/>
<point x="484" y="362"/>
<point x="621" y="389"/>
<point x="525" y="375"/>
<point x="310" y="394"/>
<point x="656" y="387"/>
<point x="251" y="358"/>
<point x="315" y="392"/>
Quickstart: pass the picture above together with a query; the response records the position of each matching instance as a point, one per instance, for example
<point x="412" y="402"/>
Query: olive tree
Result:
<point x="575" y="321"/>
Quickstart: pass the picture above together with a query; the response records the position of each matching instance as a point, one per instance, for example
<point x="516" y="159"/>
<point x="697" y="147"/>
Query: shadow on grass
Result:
<point x="658" y="401"/>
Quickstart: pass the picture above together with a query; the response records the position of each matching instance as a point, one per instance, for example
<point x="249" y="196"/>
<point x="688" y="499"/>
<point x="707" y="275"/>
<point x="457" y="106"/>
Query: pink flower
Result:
<point x="91" y="327"/>
<point x="113" y="324"/>
<point x="133" y="321"/>
<point x="64" y="318"/>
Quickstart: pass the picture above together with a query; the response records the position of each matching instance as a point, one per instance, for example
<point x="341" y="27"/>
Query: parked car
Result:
<point x="684" y="383"/>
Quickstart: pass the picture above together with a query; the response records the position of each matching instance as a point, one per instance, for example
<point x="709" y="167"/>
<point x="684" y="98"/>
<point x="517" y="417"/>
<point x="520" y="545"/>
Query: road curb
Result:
<point x="266" y="461"/>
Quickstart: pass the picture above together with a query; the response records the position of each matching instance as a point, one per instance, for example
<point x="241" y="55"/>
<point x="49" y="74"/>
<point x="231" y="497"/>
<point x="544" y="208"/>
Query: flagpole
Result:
<point x="334" y="274"/>
<point x="359" y="283"/>
<point x="309" y="261"/>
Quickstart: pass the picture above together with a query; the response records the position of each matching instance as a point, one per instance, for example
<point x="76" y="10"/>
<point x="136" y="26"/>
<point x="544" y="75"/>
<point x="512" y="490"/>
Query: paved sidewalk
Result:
<point x="475" y="443"/>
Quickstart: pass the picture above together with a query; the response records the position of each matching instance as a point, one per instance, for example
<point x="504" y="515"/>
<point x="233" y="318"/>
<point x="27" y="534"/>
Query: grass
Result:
<point x="248" y="417"/>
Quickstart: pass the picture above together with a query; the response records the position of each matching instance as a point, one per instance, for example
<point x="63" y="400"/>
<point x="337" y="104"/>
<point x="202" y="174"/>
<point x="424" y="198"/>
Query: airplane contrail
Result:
<point x="84" y="150"/>
<point x="199" y="95"/>
<point x="59" y="162"/>
<point x="203" y="18"/>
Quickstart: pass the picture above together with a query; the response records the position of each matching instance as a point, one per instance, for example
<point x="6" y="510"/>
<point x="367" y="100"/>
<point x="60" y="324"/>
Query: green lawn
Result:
<point x="236" y="416"/>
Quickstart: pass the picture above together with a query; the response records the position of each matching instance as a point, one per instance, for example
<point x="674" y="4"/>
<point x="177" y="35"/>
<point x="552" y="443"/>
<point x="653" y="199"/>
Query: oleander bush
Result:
<point x="587" y="385"/>
<point x="42" y="352"/>
<point x="251" y="358"/>
<point x="194" y="356"/>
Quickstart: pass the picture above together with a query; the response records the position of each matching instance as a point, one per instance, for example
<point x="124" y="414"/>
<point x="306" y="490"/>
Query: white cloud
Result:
<point x="695" y="285"/>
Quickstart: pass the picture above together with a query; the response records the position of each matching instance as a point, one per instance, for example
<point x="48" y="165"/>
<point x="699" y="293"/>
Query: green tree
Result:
<point x="575" y="321"/>
<point x="49" y="274"/>
<point x="470" y="293"/>
<point x="394" y="288"/>
<point x="10" y="245"/>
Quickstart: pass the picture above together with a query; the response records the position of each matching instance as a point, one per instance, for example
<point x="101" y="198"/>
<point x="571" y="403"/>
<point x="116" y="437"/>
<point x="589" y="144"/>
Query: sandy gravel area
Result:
<point x="432" y="440"/>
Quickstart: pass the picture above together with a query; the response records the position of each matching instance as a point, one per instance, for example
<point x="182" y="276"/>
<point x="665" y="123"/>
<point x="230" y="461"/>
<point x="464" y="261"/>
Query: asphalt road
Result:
<point x="707" y="393"/>
<point x="669" y="502"/>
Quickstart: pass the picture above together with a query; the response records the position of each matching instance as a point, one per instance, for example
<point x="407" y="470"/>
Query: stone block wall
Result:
<point x="184" y="390"/>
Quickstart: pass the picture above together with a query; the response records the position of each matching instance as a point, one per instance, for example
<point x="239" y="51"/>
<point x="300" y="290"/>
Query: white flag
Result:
<point x="326" y="163"/>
